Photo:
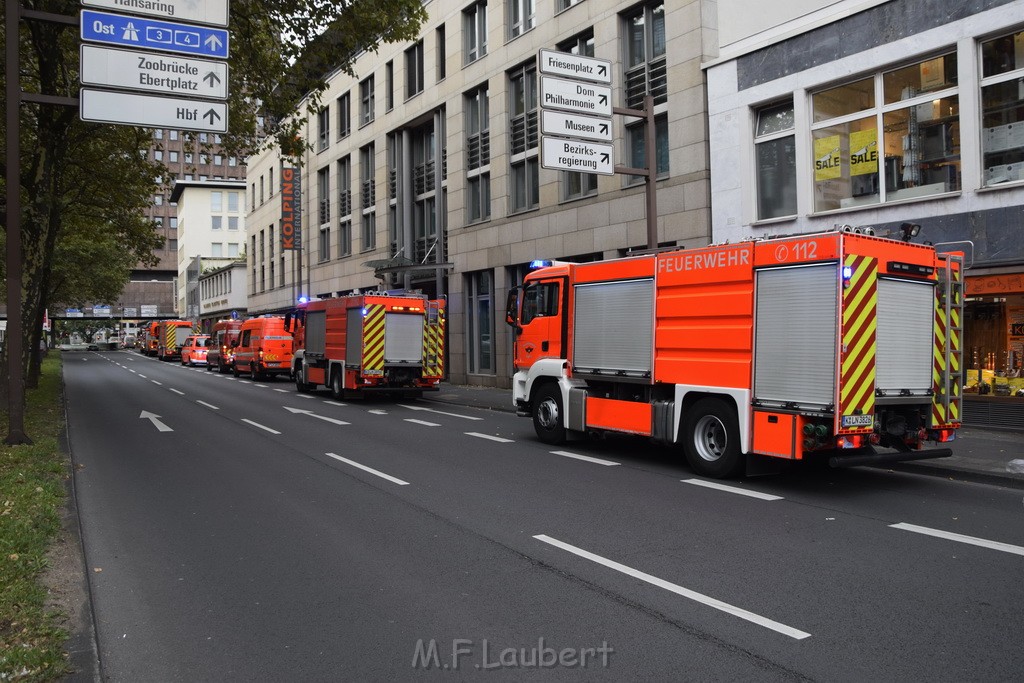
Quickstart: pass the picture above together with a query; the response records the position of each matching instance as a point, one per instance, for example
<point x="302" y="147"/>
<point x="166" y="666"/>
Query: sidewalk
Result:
<point x="981" y="455"/>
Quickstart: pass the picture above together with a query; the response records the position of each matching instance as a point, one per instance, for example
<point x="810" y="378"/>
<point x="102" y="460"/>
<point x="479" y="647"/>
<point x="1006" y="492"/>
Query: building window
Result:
<point x="158" y="134"/>
<point x="325" y="243"/>
<point x="414" y="70"/>
<point x="775" y="159"/>
<point x="907" y="146"/>
<point x="233" y="249"/>
<point x="261" y="191"/>
<point x="389" y="85"/>
<point x="158" y="222"/>
<point x="345" y="206"/>
<point x="203" y="137"/>
<point x="368" y="198"/>
<point x="636" y="140"/>
<point x="1002" y="109"/>
<point x="158" y="199"/>
<point x="204" y="158"/>
<point x="562" y="5"/>
<point x="344" y="116"/>
<point x="217" y="250"/>
<point x="232" y="161"/>
<point x="323" y="189"/>
<point x="232" y="222"/>
<point x="366" y="101"/>
<point x="478" y="155"/>
<point x="172" y="135"/>
<point x="646" y="69"/>
<point x="439" y="54"/>
<point x="480" y="321"/>
<point x="218" y="160"/>
<point x="216" y="222"/>
<point x="173" y="222"/>
<point x="217" y="201"/>
<point x="523" y="126"/>
<point x="323" y="127"/>
<point x="158" y="155"/>
<point x="253" y="196"/>
<point x="172" y="244"/>
<point x="173" y="157"/>
<point x="521" y="15"/>
<point x="474" y="28"/>
<point x="233" y="201"/>
<point x="575" y="184"/>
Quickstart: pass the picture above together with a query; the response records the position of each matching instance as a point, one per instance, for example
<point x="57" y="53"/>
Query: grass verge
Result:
<point x="32" y="495"/>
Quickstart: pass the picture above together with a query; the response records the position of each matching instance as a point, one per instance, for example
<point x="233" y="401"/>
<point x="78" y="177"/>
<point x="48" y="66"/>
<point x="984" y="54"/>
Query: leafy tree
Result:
<point x="84" y="186"/>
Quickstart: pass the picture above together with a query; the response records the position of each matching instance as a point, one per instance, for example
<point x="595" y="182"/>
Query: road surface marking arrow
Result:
<point x="368" y="469"/>
<point x="439" y="412"/>
<point x="155" y="419"/>
<point x="312" y="414"/>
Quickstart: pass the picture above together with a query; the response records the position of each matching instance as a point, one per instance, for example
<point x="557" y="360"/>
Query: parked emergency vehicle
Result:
<point x="829" y="343"/>
<point x="370" y="343"/>
<point x="151" y="341"/>
<point x="220" y="354"/>
<point x="194" y="352"/>
<point x="264" y="348"/>
<point x="171" y="336"/>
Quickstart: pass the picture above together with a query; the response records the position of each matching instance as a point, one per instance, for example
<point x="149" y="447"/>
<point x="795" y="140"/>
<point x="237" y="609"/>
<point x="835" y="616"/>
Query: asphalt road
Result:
<point x="252" y="533"/>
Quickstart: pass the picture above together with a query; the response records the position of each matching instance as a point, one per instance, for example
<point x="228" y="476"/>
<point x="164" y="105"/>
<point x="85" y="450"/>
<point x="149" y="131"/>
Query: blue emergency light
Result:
<point x="539" y="263"/>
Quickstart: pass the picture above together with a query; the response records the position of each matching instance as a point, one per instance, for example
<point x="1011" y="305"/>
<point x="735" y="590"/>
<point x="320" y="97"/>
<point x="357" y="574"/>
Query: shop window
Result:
<point x="1002" y="109"/>
<point x="907" y="146"/>
<point x="775" y="155"/>
<point x="480" y="321"/>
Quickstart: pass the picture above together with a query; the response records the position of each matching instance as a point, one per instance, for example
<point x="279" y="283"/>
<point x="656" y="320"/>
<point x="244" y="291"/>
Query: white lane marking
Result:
<point x="261" y="386"/>
<point x="180" y="393"/>
<point x="439" y="412"/>
<point x="143" y="376"/>
<point x="155" y="419"/>
<point x="378" y="473"/>
<point x="281" y="391"/>
<point x="731" y="489"/>
<point x="305" y="396"/>
<point x="131" y="371"/>
<point x="422" y="422"/>
<point x="335" y="403"/>
<point x="950" y="536"/>
<point x="377" y="412"/>
<point x="587" y="458"/>
<point x="233" y="379"/>
<point x="156" y="383"/>
<point x="208" y="405"/>
<point x="257" y="424"/>
<point x="488" y="437"/>
<point x="679" y="590"/>
<point x="244" y="381"/>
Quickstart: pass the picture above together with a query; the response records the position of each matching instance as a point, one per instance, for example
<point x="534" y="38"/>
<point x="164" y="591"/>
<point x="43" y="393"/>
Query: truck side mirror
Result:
<point x="512" y="308"/>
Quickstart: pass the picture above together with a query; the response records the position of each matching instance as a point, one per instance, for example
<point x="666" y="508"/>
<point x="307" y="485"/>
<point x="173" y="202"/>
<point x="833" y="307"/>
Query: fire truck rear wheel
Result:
<point x="548" y="416"/>
<point x="711" y="439"/>
<point x="234" y="369"/>
<point x="254" y="372"/>
<point x="336" y="388"/>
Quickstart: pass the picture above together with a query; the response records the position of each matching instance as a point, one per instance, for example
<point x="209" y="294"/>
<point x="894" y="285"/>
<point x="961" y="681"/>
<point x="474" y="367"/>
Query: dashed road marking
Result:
<point x="372" y="471"/>
<point x="961" y="538"/>
<point x="731" y="489"/>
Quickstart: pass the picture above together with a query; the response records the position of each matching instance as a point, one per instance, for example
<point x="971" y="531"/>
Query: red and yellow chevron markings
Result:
<point x="433" y="344"/>
<point x="857" y="371"/>
<point x="373" y="340"/>
<point x="947" y="332"/>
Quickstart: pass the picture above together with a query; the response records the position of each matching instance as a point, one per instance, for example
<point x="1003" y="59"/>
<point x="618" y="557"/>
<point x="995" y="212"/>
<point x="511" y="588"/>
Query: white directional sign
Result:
<point x="575" y="155"/>
<point x="153" y="112"/>
<point x="575" y="66"/>
<point x="575" y="125"/>
<point x="213" y="12"/>
<point x="134" y="70"/>
<point x="585" y="98"/>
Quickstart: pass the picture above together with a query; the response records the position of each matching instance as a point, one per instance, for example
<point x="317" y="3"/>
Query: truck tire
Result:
<point x="337" y="390"/>
<point x="711" y="439"/>
<point x="234" y="369"/>
<point x="254" y="372"/>
<point x="300" y="386"/>
<point x="548" y="415"/>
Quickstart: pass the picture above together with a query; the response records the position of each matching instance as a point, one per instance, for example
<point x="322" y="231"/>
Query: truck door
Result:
<point x="542" y="322"/>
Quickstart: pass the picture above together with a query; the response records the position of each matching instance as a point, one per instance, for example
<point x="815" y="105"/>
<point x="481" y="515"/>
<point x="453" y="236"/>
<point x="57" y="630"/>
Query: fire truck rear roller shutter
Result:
<point x="316" y="332"/>
<point x="795" y="335"/>
<point x="403" y="338"/>
<point x="906" y="320"/>
<point x="613" y="327"/>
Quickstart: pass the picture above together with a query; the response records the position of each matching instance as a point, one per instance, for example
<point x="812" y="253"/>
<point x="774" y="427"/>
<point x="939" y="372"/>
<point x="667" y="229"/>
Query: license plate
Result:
<point x="858" y="420"/>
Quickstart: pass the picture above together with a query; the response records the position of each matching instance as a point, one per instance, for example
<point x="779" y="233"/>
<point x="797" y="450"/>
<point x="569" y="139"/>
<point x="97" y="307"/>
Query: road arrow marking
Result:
<point x="312" y="414"/>
<point x="155" y="419"/>
<point x="439" y="412"/>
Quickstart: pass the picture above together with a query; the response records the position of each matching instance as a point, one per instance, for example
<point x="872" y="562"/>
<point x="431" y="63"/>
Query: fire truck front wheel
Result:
<point x="548" y="416"/>
<point x="337" y="389"/>
<point x="711" y="439"/>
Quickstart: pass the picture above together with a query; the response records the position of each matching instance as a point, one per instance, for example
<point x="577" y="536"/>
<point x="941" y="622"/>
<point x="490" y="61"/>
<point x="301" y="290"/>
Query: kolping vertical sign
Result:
<point x="291" y="209"/>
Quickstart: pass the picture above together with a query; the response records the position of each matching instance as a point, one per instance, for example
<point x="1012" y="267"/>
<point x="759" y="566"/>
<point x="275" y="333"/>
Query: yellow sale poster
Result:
<point x="864" y="152"/>
<point x="826" y="158"/>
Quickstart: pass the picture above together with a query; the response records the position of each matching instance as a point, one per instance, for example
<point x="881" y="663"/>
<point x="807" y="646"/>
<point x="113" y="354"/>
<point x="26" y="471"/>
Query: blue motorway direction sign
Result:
<point x="151" y="34"/>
